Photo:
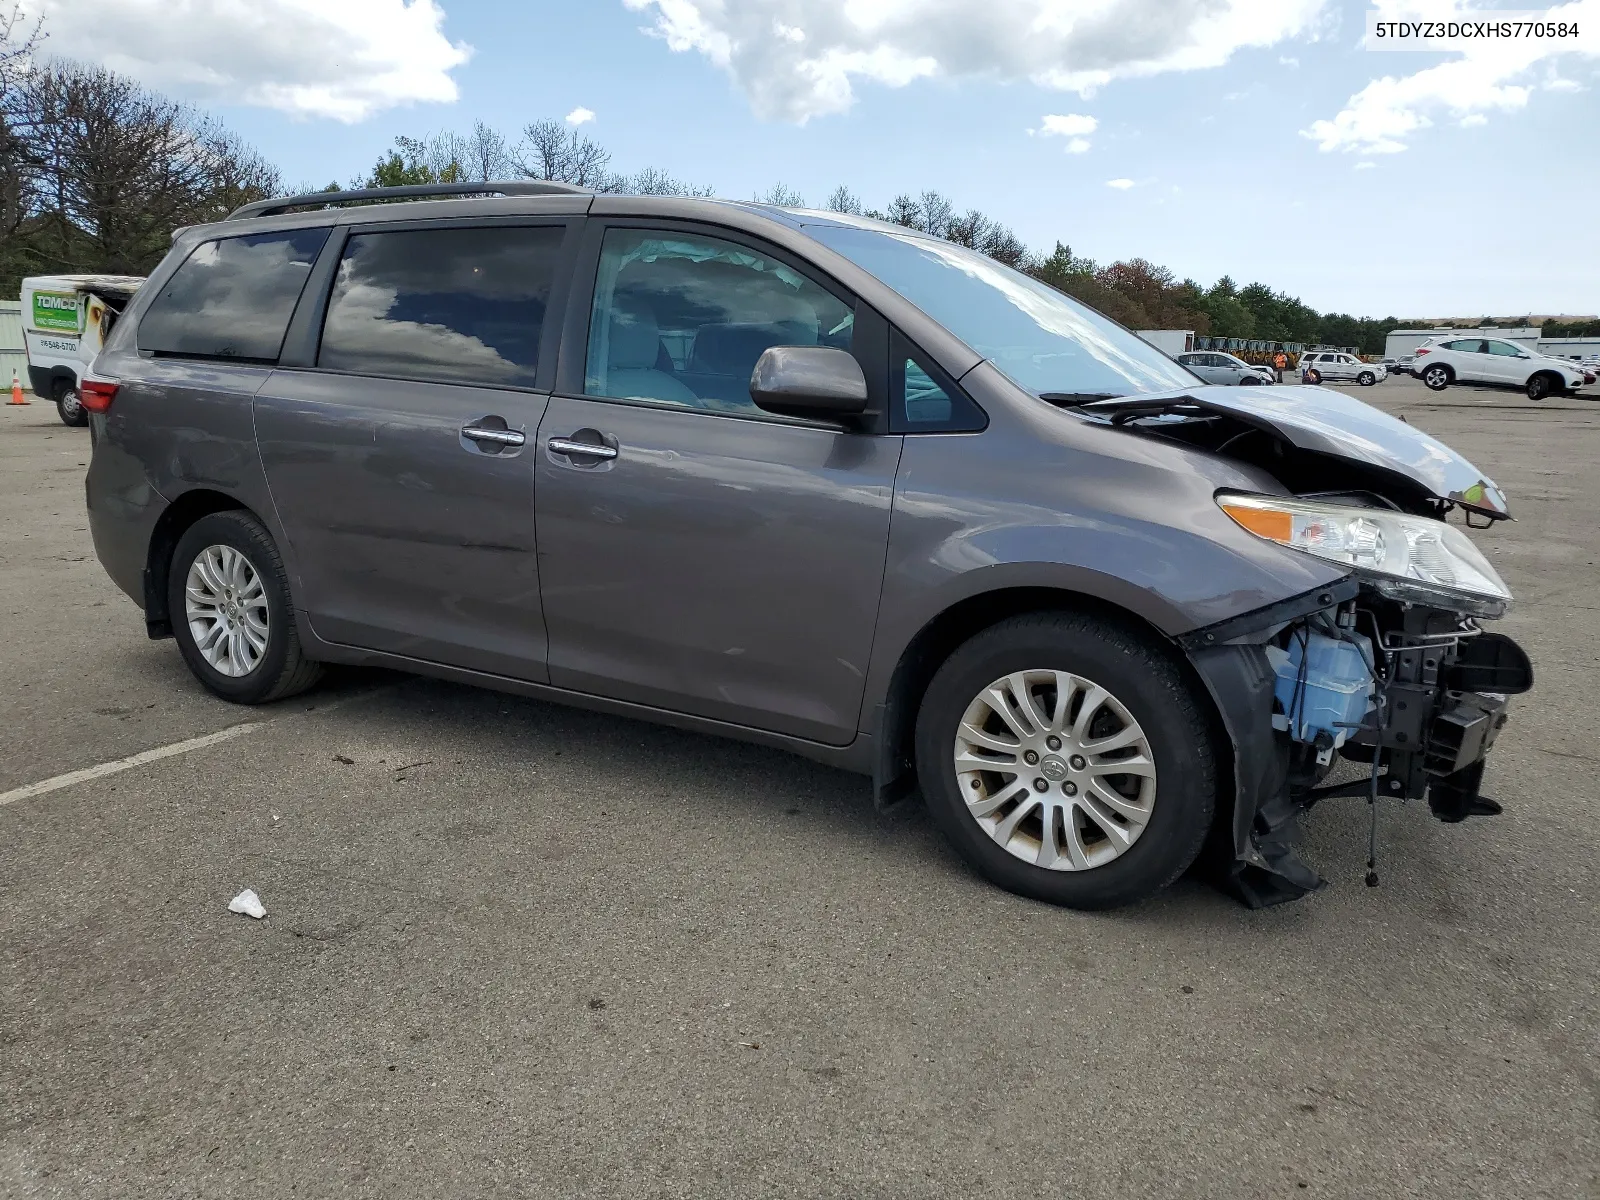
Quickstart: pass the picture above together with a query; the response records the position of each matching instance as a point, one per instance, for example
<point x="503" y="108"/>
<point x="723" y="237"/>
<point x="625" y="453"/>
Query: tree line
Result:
<point x="1135" y="292"/>
<point x="96" y="172"/>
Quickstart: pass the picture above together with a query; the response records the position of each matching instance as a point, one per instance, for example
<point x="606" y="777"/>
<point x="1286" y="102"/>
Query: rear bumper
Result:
<point x="42" y="380"/>
<point x="123" y="510"/>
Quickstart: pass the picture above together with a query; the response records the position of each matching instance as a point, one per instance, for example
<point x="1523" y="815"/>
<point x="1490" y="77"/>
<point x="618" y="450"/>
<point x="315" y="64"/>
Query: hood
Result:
<point x="1329" y="422"/>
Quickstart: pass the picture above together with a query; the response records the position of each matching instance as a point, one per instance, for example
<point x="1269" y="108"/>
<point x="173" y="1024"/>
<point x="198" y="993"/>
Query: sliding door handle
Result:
<point x="561" y="445"/>
<point x="497" y="437"/>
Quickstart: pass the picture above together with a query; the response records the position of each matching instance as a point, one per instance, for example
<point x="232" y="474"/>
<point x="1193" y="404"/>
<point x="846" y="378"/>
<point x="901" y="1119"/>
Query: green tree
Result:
<point x="408" y="164"/>
<point x="1229" y="315"/>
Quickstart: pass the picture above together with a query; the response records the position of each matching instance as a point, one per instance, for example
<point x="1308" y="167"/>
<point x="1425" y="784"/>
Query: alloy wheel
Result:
<point x="1055" y="770"/>
<point x="225" y="603"/>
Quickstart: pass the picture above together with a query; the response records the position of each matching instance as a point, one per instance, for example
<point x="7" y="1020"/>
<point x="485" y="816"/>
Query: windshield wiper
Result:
<point x="1070" y="399"/>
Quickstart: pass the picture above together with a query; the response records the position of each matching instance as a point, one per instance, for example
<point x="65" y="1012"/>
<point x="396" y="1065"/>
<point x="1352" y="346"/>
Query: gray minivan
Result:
<point x="812" y="481"/>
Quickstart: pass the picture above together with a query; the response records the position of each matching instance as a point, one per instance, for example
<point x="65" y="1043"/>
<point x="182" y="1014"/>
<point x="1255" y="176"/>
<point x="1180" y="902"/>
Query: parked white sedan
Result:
<point x="1335" y="364"/>
<point x="1495" y="363"/>
<point x="1216" y="367"/>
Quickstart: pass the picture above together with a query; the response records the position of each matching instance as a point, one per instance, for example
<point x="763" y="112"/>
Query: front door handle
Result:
<point x="497" y="437"/>
<point x="561" y="445"/>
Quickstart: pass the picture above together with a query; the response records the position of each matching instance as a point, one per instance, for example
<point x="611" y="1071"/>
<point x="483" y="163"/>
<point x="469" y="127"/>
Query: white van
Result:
<point x="65" y="319"/>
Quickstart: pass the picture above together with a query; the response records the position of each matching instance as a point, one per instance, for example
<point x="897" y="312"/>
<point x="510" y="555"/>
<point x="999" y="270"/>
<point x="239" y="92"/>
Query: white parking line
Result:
<point x="28" y="791"/>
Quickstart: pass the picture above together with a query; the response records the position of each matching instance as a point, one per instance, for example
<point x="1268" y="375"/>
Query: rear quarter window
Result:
<point x="233" y="297"/>
<point x="463" y="305"/>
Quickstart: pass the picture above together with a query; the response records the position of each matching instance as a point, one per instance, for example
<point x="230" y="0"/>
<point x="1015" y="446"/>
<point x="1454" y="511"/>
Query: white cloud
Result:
<point x="1073" y="126"/>
<point x="1068" y="124"/>
<point x="1487" y="77"/>
<point x="798" y="59"/>
<point x="344" y="60"/>
<point x="580" y="116"/>
<point x="1365" y="164"/>
<point x="1288" y="60"/>
<point x="1121" y="185"/>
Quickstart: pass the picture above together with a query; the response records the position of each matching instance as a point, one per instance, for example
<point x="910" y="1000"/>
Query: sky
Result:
<point x="1261" y="139"/>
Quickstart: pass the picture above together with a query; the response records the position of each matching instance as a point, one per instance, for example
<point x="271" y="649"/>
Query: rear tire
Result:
<point x="1438" y="378"/>
<point x="1005" y="824"/>
<point x="231" y="613"/>
<point x="69" y="406"/>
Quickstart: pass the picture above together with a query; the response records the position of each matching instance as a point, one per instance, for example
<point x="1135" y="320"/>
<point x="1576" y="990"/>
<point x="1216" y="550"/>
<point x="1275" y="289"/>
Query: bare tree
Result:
<point x="843" y="200"/>
<point x="936" y="215"/>
<point x="655" y="182"/>
<point x="549" y="151"/>
<point x="117" y="168"/>
<point x="782" y="195"/>
<point x="19" y="38"/>
<point x="484" y="154"/>
<point x="903" y="210"/>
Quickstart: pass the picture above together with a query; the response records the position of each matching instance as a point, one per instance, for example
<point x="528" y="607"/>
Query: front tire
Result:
<point x="1067" y="759"/>
<point x="1366" y="379"/>
<point x="1313" y="376"/>
<point x="232" y="617"/>
<point x="1539" y="387"/>
<point x="1438" y="378"/>
<point x="69" y="406"/>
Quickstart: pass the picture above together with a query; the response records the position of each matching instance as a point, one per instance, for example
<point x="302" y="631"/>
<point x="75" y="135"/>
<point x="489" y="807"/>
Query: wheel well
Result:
<point x="179" y="515"/>
<point x="62" y="380"/>
<point x="1554" y="377"/>
<point x="939" y="638"/>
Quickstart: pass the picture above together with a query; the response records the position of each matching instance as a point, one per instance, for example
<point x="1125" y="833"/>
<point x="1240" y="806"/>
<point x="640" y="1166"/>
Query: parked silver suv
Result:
<point x="811" y="481"/>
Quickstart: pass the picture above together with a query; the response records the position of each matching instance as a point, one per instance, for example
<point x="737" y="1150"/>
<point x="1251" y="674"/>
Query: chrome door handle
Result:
<point x="500" y="437"/>
<point x="560" y="445"/>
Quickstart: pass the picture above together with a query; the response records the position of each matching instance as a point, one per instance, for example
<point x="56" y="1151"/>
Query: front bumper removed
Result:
<point x="1440" y="688"/>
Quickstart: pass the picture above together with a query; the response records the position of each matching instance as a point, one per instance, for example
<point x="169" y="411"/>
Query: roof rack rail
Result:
<point x="410" y="191"/>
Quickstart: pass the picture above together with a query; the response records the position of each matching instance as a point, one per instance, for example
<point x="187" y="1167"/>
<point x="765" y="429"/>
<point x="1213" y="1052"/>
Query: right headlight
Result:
<point x="1405" y="557"/>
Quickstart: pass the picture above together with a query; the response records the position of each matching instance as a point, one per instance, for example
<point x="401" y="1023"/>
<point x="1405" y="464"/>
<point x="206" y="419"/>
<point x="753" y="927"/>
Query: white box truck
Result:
<point x="65" y="319"/>
<point x="1171" y="342"/>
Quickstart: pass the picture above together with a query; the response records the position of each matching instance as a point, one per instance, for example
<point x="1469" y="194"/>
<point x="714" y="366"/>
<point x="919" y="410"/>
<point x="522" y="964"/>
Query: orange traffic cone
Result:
<point x="16" y="389"/>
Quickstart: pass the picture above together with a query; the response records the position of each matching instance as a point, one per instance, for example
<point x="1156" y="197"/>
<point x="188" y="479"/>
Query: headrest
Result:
<point x="635" y="337"/>
<point x="733" y="349"/>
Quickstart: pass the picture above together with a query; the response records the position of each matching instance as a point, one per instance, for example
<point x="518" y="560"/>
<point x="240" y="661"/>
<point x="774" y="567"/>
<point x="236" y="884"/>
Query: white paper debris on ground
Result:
<point x="248" y="903"/>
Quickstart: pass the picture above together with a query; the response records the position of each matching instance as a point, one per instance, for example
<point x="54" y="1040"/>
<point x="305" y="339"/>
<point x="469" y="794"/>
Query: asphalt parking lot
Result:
<point x="514" y="949"/>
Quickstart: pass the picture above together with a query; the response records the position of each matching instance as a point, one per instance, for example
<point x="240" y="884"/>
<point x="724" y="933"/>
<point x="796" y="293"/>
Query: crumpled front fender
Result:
<point x="1252" y="850"/>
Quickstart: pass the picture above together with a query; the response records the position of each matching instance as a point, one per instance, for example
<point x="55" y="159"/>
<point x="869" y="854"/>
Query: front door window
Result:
<point x="681" y="319"/>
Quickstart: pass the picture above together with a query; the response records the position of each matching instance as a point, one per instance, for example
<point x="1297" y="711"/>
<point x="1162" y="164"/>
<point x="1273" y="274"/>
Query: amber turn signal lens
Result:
<point x="1264" y="522"/>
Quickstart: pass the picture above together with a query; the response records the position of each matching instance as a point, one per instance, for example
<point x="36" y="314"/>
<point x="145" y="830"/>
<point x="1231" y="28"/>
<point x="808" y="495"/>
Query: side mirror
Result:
<point x="808" y="381"/>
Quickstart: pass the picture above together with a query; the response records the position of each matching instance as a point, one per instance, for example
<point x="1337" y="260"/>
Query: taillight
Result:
<point x="1420" y="353"/>
<point x="96" y="395"/>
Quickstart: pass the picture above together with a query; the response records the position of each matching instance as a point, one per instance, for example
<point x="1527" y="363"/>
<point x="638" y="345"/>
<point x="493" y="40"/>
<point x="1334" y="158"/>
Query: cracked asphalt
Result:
<point x="519" y="950"/>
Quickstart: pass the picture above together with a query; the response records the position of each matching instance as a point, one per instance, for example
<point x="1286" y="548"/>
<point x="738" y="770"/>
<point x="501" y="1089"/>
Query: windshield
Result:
<point x="1045" y="341"/>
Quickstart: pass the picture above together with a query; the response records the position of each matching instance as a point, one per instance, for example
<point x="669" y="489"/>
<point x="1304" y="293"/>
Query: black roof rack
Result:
<point x="410" y="191"/>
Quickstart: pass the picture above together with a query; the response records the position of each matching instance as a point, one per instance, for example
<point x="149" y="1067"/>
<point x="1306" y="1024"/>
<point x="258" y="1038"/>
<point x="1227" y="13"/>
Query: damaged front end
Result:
<point x="1414" y="693"/>
<point x="1390" y="667"/>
